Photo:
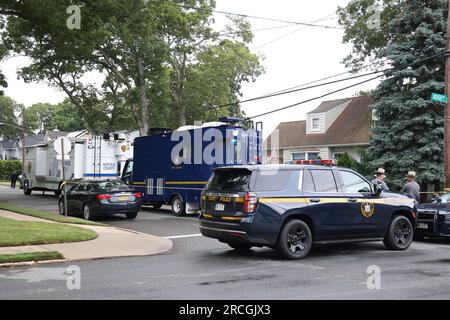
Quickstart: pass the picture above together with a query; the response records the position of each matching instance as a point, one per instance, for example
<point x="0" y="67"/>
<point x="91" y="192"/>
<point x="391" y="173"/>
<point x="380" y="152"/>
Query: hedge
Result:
<point x="7" y="167"/>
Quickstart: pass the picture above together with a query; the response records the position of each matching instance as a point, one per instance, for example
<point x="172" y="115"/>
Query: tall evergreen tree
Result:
<point x="408" y="134"/>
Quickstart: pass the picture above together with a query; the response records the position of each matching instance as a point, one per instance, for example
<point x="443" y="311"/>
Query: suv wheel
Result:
<point x="26" y="191"/>
<point x="87" y="215"/>
<point x="242" y="247"/>
<point x="295" y="240"/>
<point x="177" y="206"/>
<point x="400" y="234"/>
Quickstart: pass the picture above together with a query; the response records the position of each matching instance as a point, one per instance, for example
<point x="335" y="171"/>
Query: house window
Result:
<point x="313" y="156"/>
<point x="299" y="156"/>
<point x="315" y="124"/>
<point x="305" y="156"/>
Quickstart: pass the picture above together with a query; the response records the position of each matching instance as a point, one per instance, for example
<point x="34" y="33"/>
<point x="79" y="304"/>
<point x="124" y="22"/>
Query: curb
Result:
<point x="29" y="263"/>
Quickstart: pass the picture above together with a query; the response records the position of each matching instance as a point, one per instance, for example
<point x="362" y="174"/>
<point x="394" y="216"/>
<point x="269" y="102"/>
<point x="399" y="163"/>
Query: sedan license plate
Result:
<point x="422" y="226"/>
<point x="220" y="207"/>
<point x="123" y="198"/>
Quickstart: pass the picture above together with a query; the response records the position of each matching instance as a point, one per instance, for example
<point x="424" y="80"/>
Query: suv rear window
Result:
<point x="271" y="180"/>
<point x="230" y="180"/>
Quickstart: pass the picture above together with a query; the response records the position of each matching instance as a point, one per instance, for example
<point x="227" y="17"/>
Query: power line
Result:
<point x="446" y="53"/>
<point x="303" y="87"/>
<point x="245" y="15"/>
<point x="290" y="33"/>
<point x="315" y="98"/>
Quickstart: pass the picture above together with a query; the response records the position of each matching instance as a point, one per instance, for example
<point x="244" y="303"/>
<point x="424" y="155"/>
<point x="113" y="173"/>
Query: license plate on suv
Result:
<point x="220" y="207"/>
<point x="422" y="226"/>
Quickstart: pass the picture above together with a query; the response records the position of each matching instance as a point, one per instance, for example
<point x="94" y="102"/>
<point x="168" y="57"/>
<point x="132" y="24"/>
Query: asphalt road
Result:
<point x="202" y="268"/>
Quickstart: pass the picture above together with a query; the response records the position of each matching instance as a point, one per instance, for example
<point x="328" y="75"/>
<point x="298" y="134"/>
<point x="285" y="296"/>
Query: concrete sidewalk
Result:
<point x="111" y="242"/>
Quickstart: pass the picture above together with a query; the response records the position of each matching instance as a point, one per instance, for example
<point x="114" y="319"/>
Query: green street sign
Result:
<point x="437" y="97"/>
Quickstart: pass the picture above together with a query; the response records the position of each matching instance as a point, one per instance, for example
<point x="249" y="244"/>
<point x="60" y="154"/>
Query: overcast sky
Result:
<point x="301" y="55"/>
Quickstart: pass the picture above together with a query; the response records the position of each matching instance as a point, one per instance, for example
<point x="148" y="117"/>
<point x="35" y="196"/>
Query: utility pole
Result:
<point x="447" y="108"/>
<point x="23" y="143"/>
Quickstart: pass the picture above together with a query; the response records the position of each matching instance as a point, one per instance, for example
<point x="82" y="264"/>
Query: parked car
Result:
<point x="98" y="198"/>
<point x="291" y="207"/>
<point x="434" y="218"/>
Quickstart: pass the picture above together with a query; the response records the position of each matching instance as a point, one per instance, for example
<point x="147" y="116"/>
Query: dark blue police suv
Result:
<point x="291" y="207"/>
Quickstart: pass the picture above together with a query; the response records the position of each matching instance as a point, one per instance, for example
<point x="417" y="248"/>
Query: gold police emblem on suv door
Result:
<point x="367" y="209"/>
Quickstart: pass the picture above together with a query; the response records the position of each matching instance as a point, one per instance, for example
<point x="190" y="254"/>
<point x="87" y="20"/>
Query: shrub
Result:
<point x="8" y="167"/>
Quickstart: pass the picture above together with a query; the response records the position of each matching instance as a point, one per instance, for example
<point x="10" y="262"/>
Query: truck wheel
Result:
<point x="132" y="215"/>
<point x="400" y="234"/>
<point x="178" y="207"/>
<point x="157" y="205"/>
<point x="295" y="240"/>
<point x="87" y="214"/>
<point x="241" y="247"/>
<point x="27" y="191"/>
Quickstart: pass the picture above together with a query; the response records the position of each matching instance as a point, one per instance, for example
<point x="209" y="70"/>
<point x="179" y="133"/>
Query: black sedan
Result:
<point x="101" y="197"/>
<point x="434" y="218"/>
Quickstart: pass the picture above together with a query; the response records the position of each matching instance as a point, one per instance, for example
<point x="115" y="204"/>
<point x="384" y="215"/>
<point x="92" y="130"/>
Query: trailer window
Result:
<point x="230" y="180"/>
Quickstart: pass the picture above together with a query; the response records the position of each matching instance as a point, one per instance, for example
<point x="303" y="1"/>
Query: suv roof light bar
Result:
<point x="318" y="162"/>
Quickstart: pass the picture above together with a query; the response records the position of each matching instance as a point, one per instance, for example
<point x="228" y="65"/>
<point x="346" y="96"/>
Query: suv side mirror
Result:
<point x="377" y="190"/>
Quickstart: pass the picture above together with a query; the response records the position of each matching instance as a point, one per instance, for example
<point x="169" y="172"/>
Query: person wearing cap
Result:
<point x="380" y="175"/>
<point x="412" y="188"/>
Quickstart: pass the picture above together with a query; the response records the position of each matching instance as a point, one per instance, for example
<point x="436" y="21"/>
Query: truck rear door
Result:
<point x="225" y="194"/>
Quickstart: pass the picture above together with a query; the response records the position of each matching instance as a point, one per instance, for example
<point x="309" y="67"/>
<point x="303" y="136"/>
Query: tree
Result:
<point x="409" y="130"/>
<point x="347" y="161"/>
<point x="216" y="79"/>
<point x="8" y="120"/>
<point x="141" y="56"/>
<point x="64" y="116"/>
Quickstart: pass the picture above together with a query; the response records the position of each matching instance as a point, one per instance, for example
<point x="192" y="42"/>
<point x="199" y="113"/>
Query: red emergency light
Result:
<point x="313" y="162"/>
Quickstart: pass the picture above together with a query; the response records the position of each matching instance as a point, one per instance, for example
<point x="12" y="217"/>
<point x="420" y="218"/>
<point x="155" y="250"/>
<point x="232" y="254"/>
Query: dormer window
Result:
<point x="315" y="124"/>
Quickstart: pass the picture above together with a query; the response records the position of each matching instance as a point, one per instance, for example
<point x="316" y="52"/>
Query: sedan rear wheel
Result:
<point x="132" y="215"/>
<point x="295" y="240"/>
<point x="87" y="214"/>
<point x="61" y="207"/>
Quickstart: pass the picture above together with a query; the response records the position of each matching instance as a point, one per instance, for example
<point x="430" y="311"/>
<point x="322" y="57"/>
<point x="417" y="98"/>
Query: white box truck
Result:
<point x="90" y="157"/>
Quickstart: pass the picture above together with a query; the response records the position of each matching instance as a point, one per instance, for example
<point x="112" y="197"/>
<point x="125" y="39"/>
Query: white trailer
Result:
<point x="91" y="157"/>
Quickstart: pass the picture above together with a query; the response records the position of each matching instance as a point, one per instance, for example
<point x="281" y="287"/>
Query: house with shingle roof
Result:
<point x="7" y="150"/>
<point x="332" y="129"/>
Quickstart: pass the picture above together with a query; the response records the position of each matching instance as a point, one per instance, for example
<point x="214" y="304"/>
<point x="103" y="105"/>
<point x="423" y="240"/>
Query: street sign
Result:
<point x="437" y="97"/>
<point x="62" y="143"/>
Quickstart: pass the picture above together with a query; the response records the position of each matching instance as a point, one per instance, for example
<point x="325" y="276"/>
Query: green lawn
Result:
<point x="32" y="256"/>
<point x="45" y="215"/>
<point x="19" y="233"/>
